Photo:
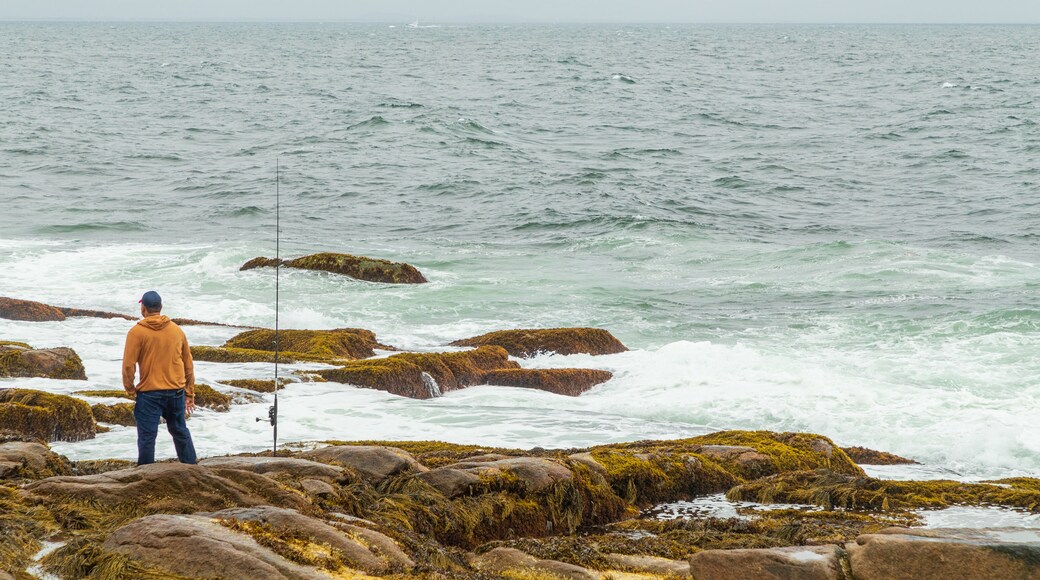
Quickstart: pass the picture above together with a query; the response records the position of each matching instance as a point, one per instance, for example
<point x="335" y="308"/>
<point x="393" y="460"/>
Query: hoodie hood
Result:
<point x="155" y="322"/>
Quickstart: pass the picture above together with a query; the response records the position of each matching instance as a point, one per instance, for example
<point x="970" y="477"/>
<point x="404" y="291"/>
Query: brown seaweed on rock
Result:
<point x="20" y="360"/>
<point x="529" y="342"/>
<point x="48" y="416"/>
<point x="357" y="267"/>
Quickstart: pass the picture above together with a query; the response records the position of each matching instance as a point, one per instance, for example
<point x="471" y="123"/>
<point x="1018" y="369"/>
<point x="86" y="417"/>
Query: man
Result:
<point x="167" y="386"/>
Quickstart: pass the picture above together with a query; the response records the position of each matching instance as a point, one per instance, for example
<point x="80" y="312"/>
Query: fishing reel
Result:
<point x="272" y="415"/>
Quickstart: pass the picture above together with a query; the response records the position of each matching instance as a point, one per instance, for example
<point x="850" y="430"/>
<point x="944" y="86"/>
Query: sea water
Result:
<point x="830" y="229"/>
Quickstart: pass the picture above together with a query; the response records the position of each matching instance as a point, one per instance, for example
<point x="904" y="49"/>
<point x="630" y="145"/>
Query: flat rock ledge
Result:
<point x="357" y="267"/>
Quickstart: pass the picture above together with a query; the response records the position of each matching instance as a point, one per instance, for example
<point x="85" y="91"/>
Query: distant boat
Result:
<point x="414" y="24"/>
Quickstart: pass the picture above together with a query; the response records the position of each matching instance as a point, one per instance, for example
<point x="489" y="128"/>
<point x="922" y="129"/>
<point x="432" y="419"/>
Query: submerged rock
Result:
<point x="357" y="267"/>
<point x="940" y="554"/>
<point x="527" y="343"/>
<point x="45" y="416"/>
<point x="402" y="374"/>
<point x="864" y="456"/>
<point x="801" y="562"/>
<point x="570" y="382"/>
<point x="20" y="360"/>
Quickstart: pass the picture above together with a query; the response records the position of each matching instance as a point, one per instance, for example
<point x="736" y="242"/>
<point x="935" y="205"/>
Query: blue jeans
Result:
<point x="148" y="408"/>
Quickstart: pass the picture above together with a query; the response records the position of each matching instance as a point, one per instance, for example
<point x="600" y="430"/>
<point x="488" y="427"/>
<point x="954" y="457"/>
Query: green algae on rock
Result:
<point x="117" y="414"/>
<point x="20" y="360"/>
<point x="341" y="343"/>
<point x="357" y="267"/>
<point x="47" y="416"/>
<point x="402" y="374"/>
<point x="864" y="456"/>
<point x="836" y="490"/>
<point x="570" y="382"/>
<point x="529" y="342"/>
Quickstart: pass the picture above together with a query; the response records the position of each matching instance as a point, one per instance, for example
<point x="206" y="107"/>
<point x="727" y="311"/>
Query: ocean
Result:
<point x="831" y="229"/>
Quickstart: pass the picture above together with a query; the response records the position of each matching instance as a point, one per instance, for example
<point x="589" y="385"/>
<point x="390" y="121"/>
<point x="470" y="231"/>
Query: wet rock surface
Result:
<point x="357" y="267"/>
<point x="529" y="342"/>
<point x="19" y="360"/>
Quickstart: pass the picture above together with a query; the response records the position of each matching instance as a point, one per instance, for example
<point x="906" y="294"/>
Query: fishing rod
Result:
<point x="272" y="412"/>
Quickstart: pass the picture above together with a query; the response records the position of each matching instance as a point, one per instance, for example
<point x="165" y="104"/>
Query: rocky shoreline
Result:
<point x="438" y="510"/>
<point x="364" y="509"/>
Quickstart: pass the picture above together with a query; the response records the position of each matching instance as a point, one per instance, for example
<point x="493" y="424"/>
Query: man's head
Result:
<point x="151" y="303"/>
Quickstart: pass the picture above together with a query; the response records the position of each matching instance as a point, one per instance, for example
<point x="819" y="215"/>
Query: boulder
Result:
<point x="529" y="342"/>
<point x="117" y="414"/>
<point x="209" y="398"/>
<point x="373" y="463"/>
<point x="341" y="343"/>
<point x="358" y="548"/>
<point x="534" y="474"/>
<point x="170" y="487"/>
<point x="197" y="547"/>
<point x="586" y="459"/>
<point x="15" y="309"/>
<point x="17" y="360"/>
<point x="46" y="416"/>
<point x="864" y="456"/>
<point x="649" y="565"/>
<point x="403" y="374"/>
<point x="570" y="382"/>
<point x="799" y="562"/>
<point x="514" y="563"/>
<point x="357" y="267"/>
<point x="940" y="554"/>
<point x="277" y="466"/>
<point x="318" y="488"/>
<point x="31" y="460"/>
<point x="258" y="385"/>
<point x="756" y="454"/>
<point x="451" y="482"/>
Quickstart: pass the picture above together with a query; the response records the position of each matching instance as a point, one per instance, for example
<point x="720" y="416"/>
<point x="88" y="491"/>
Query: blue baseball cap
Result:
<point x="151" y="299"/>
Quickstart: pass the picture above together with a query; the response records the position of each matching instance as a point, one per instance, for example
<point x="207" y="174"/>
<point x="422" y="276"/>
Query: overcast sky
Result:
<point x="669" y="11"/>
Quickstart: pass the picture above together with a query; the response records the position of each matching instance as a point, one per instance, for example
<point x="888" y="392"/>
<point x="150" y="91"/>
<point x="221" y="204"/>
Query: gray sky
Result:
<point x="1019" y="11"/>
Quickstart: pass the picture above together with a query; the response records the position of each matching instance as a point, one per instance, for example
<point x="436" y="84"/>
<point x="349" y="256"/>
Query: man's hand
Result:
<point x="131" y="392"/>
<point x="189" y="406"/>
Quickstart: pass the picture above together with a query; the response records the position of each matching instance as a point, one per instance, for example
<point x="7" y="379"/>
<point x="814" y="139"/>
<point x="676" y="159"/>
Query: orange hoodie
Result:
<point x="159" y="346"/>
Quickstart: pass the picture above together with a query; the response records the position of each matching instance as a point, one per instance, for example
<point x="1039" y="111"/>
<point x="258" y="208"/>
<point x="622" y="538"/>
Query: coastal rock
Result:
<point x="258" y="385"/>
<point x="342" y="343"/>
<point x="117" y="414"/>
<point x="170" y="487"/>
<point x="402" y="374"/>
<point x="209" y="398"/>
<point x="529" y="342"/>
<point x="371" y="462"/>
<point x="843" y="491"/>
<point x="784" y="452"/>
<point x="317" y="488"/>
<point x="451" y="482"/>
<point x="516" y="563"/>
<point x="46" y="416"/>
<point x="18" y="360"/>
<point x="358" y="548"/>
<point x="79" y="312"/>
<point x="864" y="456"/>
<point x="649" y="565"/>
<point x="27" y="310"/>
<point x="801" y="562"/>
<point x="30" y="460"/>
<point x="357" y="267"/>
<point x="238" y="355"/>
<point x="940" y="554"/>
<point x="276" y="466"/>
<point x="196" y="547"/>
<point x="533" y="474"/>
<point x="570" y="382"/>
